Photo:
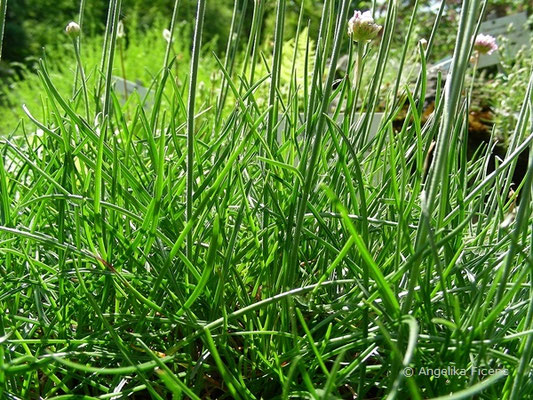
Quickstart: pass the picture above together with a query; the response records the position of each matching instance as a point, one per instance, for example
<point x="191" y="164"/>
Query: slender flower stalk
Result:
<point x="475" y="61"/>
<point x="80" y="22"/>
<point x="361" y="29"/>
<point x="358" y="74"/>
<point x="105" y="49"/>
<point x="73" y="31"/>
<point x="120" y="39"/>
<point x="3" y="12"/>
<point x="112" y="44"/>
<point x="484" y="44"/>
<point x="197" y="41"/>
<point x="168" y="36"/>
<point x="276" y="68"/>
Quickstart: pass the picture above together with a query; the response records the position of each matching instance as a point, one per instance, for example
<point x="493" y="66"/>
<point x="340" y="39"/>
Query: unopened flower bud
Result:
<point x="362" y="28"/>
<point x="167" y="35"/>
<point x="73" y="30"/>
<point x="485" y="44"/>
<point x="120" y="30"/>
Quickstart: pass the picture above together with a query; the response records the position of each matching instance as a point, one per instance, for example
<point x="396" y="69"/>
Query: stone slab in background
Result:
<point x="374" y="125"/>
<point x="513" y="28"/>
<point x="125" y="89"/>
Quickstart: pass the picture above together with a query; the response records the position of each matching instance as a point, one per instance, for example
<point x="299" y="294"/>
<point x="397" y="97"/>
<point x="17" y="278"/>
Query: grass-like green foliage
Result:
<point x="184" y="249"/>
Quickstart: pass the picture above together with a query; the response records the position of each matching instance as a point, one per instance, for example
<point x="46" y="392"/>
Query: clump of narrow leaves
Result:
<point x="265" y="248"/>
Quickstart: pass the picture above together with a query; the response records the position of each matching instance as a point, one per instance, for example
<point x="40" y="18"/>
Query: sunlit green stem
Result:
<point x="474" y="70"/>
<point x="75" y="43"/>
<point x="197" y="42"/>
<point x="80" y="23"/>
<point x="358" y="74"/>
<point x="3" y="12"/>
<point x="123" y="67"/>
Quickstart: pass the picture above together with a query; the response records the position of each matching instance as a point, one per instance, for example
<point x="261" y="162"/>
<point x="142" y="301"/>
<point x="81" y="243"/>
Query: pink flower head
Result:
<point x="485" y="44"/>
<point x="362" y="28"/>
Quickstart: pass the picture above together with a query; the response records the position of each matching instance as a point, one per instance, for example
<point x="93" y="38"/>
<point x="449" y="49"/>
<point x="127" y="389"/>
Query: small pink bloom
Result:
<point x="362" y="28"/>
<point x="485" y="44"/>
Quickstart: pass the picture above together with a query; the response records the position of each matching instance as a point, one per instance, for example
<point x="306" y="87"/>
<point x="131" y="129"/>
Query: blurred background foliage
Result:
<point x="32" y="24"/>
<point x="35" y="29"/>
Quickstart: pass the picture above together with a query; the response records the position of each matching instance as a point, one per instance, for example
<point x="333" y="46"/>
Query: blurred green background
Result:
<point x="35" y="29"/>
<point x="34" y="24"/>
